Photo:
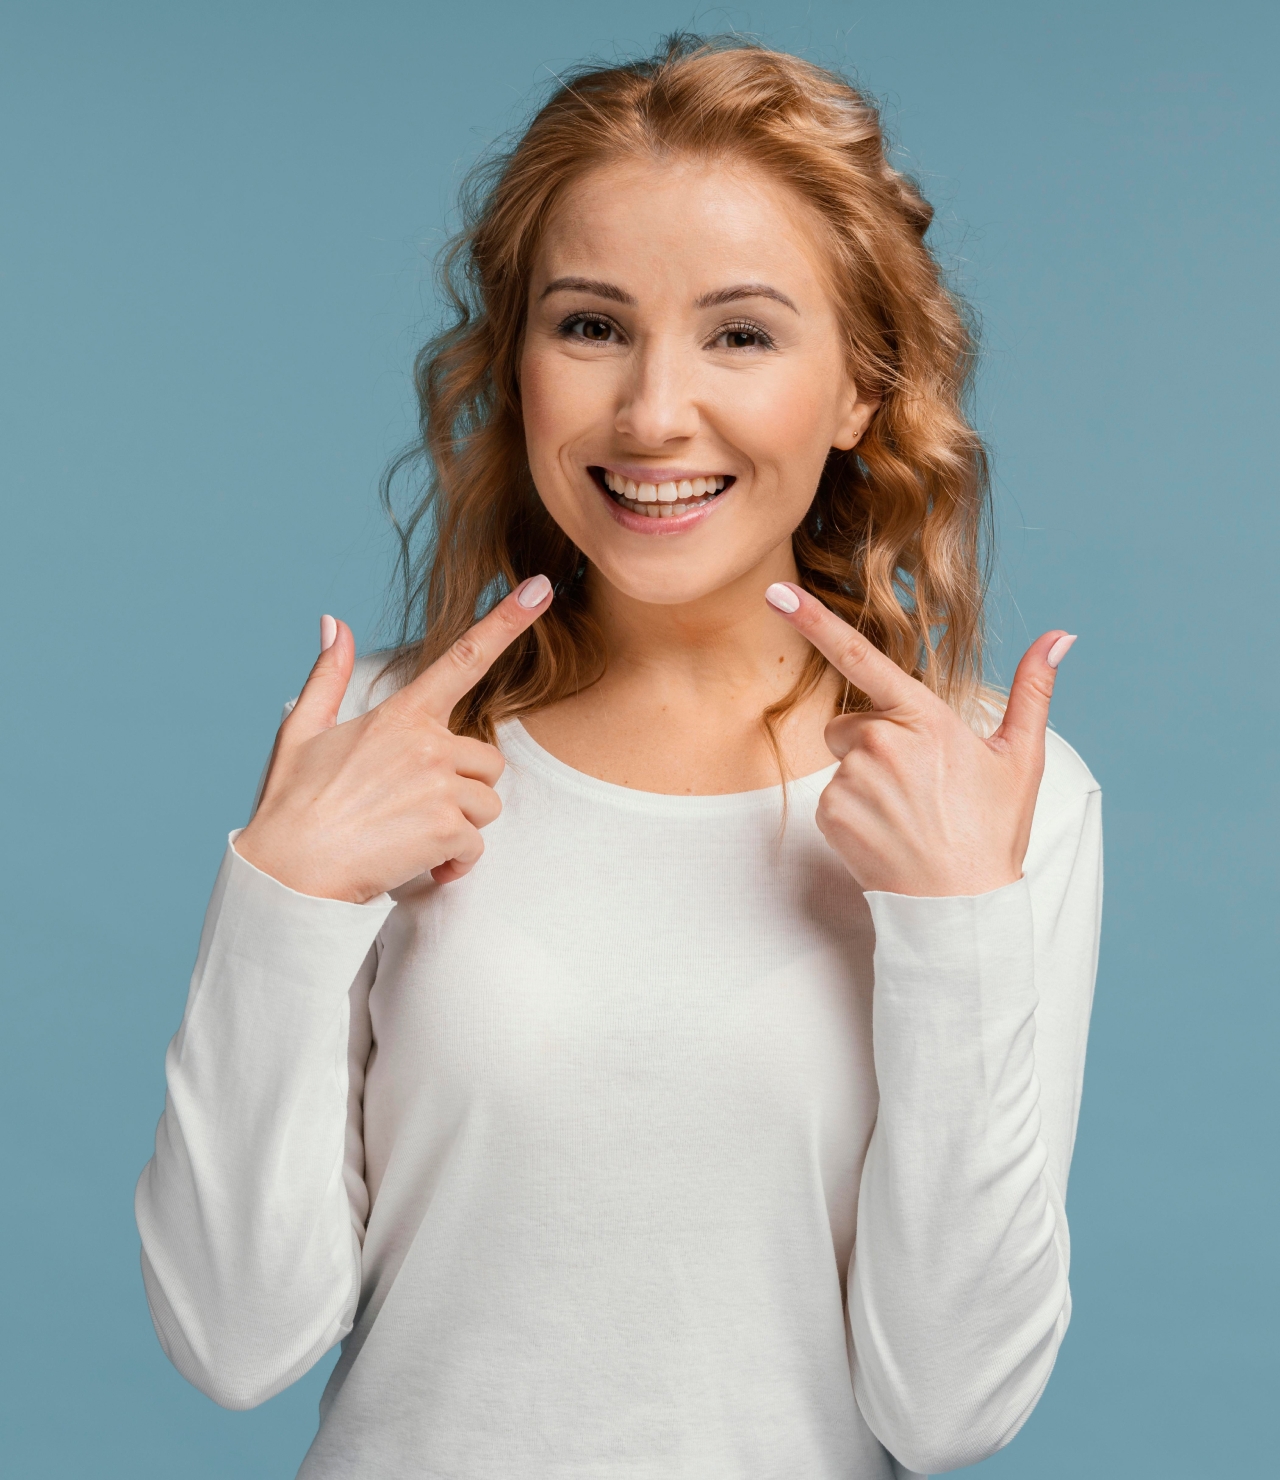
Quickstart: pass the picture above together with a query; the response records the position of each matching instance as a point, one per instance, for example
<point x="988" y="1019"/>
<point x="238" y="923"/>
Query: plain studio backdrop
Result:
<point x="217" y="228"/>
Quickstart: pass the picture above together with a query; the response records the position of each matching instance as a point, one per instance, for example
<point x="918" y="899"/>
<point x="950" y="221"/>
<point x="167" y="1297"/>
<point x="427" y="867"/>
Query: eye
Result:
<point x="594" y="328"/>
<point x="743" y="336"/>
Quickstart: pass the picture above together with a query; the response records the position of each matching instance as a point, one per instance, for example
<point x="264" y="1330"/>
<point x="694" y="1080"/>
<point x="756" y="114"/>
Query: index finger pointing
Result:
<point x="456" y="672"/>
<point x="844" y="647"/>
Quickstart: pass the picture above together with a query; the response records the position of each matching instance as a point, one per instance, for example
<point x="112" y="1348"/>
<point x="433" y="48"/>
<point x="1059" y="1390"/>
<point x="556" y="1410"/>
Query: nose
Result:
<point x="658" y="405"/>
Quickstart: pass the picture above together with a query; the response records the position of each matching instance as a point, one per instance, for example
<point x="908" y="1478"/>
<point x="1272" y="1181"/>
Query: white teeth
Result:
<point x="658" y="500"/>
<point x="663" y="511"/>
<point x="666" y="493"/>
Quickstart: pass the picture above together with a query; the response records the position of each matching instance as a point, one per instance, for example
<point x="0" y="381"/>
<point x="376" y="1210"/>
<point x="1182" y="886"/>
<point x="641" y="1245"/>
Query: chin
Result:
<point x="677" y="574"/>
<point x="679" y="587"/>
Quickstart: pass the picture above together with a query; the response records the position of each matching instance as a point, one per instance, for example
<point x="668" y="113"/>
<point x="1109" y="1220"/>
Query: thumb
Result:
<point x="1026" y="715"/>
<point x="317" y="706"/>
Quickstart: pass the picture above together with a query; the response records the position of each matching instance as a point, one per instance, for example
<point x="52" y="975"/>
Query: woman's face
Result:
<point x="681" y="339"/>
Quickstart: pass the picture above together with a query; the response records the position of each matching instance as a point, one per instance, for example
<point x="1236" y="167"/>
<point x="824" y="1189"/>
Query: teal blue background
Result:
<point x="215" y="231"/>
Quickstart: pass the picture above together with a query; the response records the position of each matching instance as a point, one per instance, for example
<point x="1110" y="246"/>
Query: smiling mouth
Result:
<point x="661" y="500"/>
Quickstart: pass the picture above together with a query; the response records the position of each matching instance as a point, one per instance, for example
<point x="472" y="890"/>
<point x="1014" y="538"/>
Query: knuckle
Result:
<point x="833" y="819"/>
<point x="466" y="653"/>
<point x="873" y="741"/>
<point x="469" y="844"/>
<point x="394" y="719"/>
<point x="850" y="650"/>
<point x="830" y="805"/>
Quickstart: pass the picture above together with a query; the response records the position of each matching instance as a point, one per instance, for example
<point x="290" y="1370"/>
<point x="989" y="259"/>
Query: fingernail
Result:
<point x="534" y="591"/>
<point x="1060" y="649"/>
<point x="328" y="632"/>
<point x="783" y="597"/>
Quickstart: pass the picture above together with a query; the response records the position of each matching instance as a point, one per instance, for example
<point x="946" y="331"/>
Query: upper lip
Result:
<point x="638" y="473"/>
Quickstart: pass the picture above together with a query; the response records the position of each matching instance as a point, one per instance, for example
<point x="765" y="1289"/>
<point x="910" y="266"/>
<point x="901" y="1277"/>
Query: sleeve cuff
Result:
<point x="239" y="862"/>
<point x="266" y="943"/>
<point x="961" y="963"/>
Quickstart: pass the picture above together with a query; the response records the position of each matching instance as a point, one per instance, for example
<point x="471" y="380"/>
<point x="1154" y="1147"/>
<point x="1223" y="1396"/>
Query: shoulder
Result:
<point x="1066" y="777"/>
<point x="372" y="681"/>
<point x="1066" y="832"/>
<point x="1067" y="805"/>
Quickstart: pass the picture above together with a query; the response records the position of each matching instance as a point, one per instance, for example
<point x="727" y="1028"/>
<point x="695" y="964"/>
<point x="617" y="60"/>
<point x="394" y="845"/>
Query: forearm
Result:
<point x="250" y="1256"/>
<point x="959" y="1294"/>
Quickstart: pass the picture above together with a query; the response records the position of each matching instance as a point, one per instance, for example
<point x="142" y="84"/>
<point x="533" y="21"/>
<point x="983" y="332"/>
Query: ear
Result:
<point x="854" y="418"/>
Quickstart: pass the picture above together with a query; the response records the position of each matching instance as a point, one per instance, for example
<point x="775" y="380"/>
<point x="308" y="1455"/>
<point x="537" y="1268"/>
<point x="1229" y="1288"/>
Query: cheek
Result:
<point x="561" y="401"/>
<point x="542" y="408"/>
<point x="786" y="423"/>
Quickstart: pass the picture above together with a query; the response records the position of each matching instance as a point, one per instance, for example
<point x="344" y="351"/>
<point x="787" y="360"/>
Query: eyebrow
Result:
<point x="716" y="299"/>
<point x="744" y="290"/>
<point x="588" y="285"/>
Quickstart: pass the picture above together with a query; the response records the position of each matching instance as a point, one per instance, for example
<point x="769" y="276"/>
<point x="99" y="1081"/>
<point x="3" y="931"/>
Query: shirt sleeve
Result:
<point x="958" y="1293"/>
<point x="253" y="1207"/>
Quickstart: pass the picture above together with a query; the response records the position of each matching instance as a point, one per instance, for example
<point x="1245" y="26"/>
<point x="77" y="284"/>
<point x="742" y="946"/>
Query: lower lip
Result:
<point x="660" y="523"/>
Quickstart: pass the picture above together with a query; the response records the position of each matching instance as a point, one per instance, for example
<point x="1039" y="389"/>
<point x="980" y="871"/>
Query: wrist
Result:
<point x="951" y="886"/>
<point x="946" y="882"/>
<point x="258" y="849"/>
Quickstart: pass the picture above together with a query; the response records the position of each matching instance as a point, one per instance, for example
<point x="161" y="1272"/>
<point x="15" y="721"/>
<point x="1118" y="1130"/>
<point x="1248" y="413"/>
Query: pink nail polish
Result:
<point x="783" y="597"/>
<point x="1060" y="649"/>
<point x="533" y="592"/>
<point x="328" y="632"/>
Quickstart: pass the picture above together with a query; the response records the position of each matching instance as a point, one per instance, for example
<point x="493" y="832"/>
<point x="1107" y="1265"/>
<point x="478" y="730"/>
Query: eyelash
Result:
<point x="575" y="319"/>
<point x="745" y="326"/>
<point x="739" y="326"/>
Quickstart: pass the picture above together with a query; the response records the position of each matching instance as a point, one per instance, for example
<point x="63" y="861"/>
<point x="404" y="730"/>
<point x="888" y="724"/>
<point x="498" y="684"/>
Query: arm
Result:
<point x="958" y="1296"/>
<point x="250" y="1233"/>
<point x="250" y="1239"/>
<point x="979" y="855"/>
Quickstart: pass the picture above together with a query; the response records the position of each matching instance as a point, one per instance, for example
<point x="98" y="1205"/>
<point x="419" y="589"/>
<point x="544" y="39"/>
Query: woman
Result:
<point x="704" y="1125"/>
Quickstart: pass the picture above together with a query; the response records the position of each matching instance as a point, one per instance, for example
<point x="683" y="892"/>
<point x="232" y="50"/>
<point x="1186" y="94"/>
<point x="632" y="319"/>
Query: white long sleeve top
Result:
<point x="652" y="1149"/>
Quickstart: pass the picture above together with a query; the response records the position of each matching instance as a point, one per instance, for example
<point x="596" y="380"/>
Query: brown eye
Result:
<point x="743" y="336"/>
<point x="595" y="329"/>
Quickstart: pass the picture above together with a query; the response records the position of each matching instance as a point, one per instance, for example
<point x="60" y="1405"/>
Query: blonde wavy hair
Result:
<point x="895" y="537"/>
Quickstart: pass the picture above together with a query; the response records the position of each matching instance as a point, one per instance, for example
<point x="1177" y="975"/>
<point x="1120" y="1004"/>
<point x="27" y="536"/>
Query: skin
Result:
<point x="694" y="654"/>
<point x="679" y="322"/>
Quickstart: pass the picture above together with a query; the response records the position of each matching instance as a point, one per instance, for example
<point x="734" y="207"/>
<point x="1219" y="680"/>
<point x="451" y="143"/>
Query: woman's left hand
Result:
<point x="921" y="804"/>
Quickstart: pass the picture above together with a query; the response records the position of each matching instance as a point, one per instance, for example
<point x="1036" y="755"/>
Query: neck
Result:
<point x="726" y="646"/>
<point x="678" y="707"/>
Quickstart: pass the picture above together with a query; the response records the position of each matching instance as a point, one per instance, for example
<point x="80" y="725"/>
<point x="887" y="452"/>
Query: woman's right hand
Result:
<point x="352" y="810"/>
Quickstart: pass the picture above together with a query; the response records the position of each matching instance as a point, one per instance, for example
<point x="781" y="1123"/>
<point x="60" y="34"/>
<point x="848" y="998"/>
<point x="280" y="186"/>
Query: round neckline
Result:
<point x="519" y="746"/>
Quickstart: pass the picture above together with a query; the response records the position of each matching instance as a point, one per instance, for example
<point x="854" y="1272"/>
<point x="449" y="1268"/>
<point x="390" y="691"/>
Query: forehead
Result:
<point x="685" y="225"/>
